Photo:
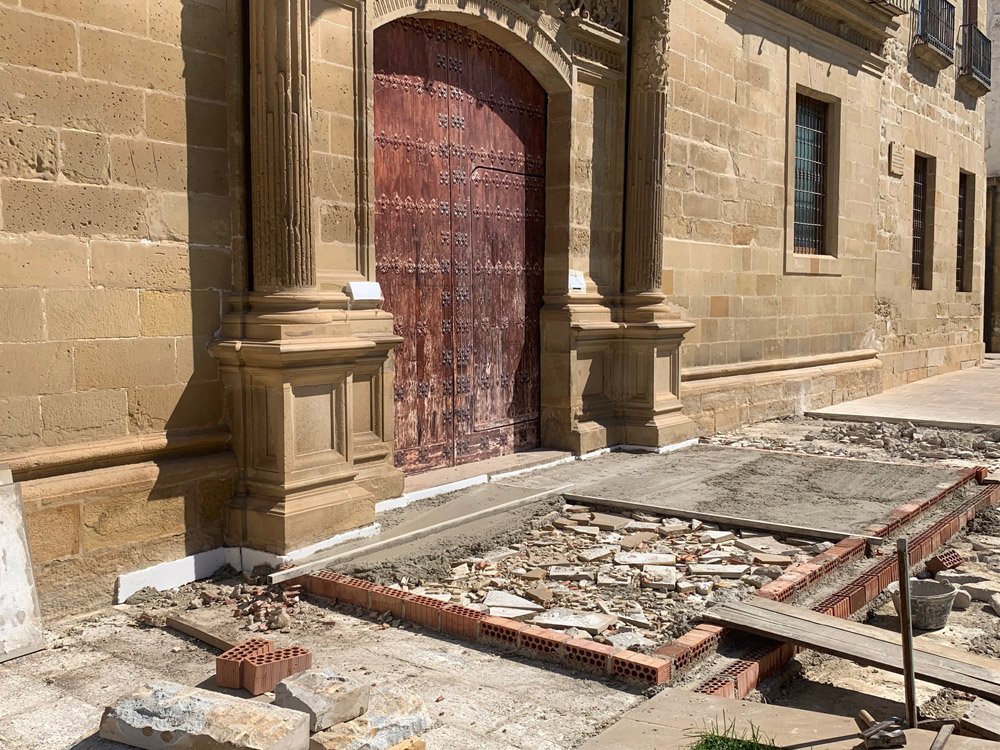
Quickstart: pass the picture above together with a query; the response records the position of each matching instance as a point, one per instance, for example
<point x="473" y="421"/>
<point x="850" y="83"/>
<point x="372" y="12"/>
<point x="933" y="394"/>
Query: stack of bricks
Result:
<point x="256" y="667"/>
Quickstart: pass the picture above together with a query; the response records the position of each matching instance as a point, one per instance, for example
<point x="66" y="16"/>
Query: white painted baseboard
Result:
<point x="170" y="575"/>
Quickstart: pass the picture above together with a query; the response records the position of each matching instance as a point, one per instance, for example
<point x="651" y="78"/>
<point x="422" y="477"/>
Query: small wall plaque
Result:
<point x="577" y="283"/>
<point x="896" y="158"/>
<point x="364" y="291"/>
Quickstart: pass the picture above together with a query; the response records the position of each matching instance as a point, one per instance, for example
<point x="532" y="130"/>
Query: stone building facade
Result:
<point x="991" y="308"/>
<point x="195" y="365"/>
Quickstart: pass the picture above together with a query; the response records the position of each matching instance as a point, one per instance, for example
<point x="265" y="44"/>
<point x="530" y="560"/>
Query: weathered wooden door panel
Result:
<point x="460" y="219"/>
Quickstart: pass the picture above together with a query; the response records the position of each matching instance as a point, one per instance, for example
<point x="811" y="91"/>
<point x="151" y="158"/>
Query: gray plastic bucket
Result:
<point x="930" y="602"/>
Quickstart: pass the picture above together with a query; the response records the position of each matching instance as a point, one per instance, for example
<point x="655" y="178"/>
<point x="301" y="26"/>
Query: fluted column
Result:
<point x="646" y="148"/>
<point x="284" y="257"/>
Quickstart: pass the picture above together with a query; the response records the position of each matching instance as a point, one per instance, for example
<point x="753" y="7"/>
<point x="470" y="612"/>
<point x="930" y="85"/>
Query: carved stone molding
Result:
<point x="607" y="13"/>
<point x="284" y="257"/>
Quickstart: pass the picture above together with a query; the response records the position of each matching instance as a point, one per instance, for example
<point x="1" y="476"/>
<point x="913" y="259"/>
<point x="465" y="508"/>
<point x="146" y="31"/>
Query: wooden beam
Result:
<point x="721" y="520"/>
<point x="863" y="644"/>
<point x="205" y="636"/>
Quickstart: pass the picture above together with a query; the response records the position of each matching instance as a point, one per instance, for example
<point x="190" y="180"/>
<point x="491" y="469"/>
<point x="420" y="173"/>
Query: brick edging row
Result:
<point x="510" y="635"/>
<point x="743" y="676"/>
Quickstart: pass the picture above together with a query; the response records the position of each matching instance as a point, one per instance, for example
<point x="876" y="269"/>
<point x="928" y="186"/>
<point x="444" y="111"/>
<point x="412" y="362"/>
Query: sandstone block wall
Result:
<point x="115" y="260"/>
<point x="735" y="70"/>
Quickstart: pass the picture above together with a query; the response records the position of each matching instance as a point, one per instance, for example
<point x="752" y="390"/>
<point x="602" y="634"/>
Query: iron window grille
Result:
<point x="977" y="54"/>
<point x="936" y="26"/>
<point x="920" y="216"/>
<point x="963" y="216"/>
<point x="811" y="154"/>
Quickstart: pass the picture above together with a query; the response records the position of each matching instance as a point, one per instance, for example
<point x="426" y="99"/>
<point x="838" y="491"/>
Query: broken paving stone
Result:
<point x="639" y="538"/>
<point x="716" y="537"/>
<point x="983" y="543"/>
<point x="642" y="526"/>
<point x="636" y="619"/>
<point x="591" y="531"/>
<point x="674" y="529"/>
<point x="541" y="594"/>
<point x="570" y="574"/>
<point x="596" y="553"/>
<point x="535" y="574"/>
<point x="391" y="718"/>
<point x="703" y="588"/>
<point x="609" y="522"/>
<point x="460" y="571"/>
<point x="630" y="640"/>
<point x="562" y="618"/>
<point x="553" y="562"/>
<point x="663" y="577"/>
<point x="995" y="604"/>
<point x="958" y="578"/>
<point x="962" y="600"/>
<point x="722" y="571"/>
<point x="326" y="696"/>
<point x="563" y="523"/>
<point x="509" y="600"/>
<point x="165" y="714"/>
<point x="767" y="545"/>
<point x="512" y="613"/>
<point x="762" y="558"/>
<point x="640" y="559"/>
<point x="685" y="587"/>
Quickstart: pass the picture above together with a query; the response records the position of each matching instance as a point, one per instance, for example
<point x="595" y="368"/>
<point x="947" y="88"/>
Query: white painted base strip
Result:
<point x="170" y="575"/>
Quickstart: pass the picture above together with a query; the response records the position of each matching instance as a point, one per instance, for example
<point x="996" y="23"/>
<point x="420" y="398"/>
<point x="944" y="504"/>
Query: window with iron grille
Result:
<point x="811" y="168"/>
<point x="966" y="200"/>
<point x="921" y="221"/>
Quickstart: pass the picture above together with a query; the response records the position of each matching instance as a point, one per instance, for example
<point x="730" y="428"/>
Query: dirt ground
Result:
<point x="478" y="699"/>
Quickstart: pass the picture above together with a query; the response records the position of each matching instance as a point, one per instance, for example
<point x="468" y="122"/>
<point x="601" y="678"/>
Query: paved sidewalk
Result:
<point x="674" y="718"/>
<point x="965" y="399"/>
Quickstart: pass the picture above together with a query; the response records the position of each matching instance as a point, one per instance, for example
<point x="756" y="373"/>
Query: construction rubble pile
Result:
<point x="901" y="440"/>
<point x="632" y="581"/>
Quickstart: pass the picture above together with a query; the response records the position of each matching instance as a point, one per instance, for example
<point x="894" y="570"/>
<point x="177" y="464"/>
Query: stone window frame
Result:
<point x="829" y="263"/>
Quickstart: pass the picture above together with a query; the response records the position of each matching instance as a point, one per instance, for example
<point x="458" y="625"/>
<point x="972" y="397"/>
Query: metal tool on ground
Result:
<point x="881" y="734"/>
<point x="906" y="631"/>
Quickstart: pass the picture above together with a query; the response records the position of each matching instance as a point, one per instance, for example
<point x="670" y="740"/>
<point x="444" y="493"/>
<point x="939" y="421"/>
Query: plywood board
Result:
<point x="20" y="617"/>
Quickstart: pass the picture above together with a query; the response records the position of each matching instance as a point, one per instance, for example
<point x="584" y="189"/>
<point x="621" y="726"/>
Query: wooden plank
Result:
<point x="722" y="520"/>
<point x="863" y="644"/>
<point x="974" y="665"/>
<point x="876" y="652"/>
<point x="982" y="720"/>
<point x="205" y="636"/>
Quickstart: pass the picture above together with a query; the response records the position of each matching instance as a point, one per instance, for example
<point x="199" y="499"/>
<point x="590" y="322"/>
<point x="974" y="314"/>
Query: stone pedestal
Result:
<point x="303" y="369"/>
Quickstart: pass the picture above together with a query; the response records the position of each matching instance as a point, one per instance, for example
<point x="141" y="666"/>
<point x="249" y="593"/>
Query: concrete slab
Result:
<point x="673" y="718"/>
<point x="966" y="399"/>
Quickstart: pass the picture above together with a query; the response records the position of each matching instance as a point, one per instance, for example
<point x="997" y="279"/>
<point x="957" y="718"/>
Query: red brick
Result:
<point x="588" y="656"/>
<point x="499" y="631"/>
<point x="262" y="672"/>
<point x="640" y="668"/>
<point x="542" y="643"/>
<point x="229" y="664"/>
<point x="461" y="622"/>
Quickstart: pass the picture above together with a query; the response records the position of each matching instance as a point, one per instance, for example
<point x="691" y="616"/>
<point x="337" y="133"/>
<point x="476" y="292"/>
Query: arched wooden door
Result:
<point x="459" y="240"/>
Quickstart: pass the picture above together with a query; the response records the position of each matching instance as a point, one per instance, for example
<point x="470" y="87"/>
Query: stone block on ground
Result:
<point x="765" y="559"/>
<point x="391" y="721"/>
<point x="164" y="714"/>
<point x="326" y="696"/>
<point x="596" y="553"/>
<point x="561" y="618"/>
<point x="958" y="578"/>
<point x="995" y="603"/>
<point x="663" y="577"/>
<point x="637" y="539"/>
<point x="716" y="537"/>
<point x="982" y="591"/>
<point x="962" y="600"/>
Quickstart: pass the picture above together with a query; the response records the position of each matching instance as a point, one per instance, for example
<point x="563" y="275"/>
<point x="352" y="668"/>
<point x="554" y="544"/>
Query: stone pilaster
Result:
<point x="650" y="406"/>
<point x="299" y="366"/>
<point x="280" y="147"/>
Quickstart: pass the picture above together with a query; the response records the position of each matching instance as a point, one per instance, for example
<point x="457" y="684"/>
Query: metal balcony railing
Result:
<point x="977" y="52"/>
<point x="936" y="26"/>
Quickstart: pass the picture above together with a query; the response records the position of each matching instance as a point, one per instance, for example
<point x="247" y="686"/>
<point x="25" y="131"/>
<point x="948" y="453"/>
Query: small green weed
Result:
<point x="725" y="737"/>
